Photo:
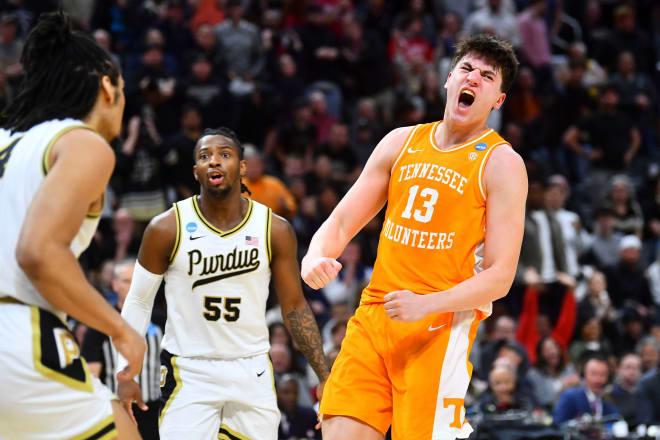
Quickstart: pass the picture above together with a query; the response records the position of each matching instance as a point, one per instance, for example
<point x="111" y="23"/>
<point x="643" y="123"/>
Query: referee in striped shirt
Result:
<point x="101" y="357"/>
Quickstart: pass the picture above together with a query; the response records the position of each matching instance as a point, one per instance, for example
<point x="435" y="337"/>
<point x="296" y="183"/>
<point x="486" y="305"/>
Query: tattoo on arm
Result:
<point x="305" y="332"/>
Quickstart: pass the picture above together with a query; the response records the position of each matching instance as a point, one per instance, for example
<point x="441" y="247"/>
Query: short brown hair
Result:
<point x="497" y="52"/>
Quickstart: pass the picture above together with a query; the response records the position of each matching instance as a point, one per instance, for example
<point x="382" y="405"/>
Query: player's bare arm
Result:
<point x="81" y="163"/>
<point x="157" y="242"/>
<point x="297" y="314"/>
<point x="154" y="255"/>
<point x="506" y="188"/>
<point x="362" y="202"/>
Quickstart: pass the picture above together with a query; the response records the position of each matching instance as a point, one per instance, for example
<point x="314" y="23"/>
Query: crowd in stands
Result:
<point x="311" y="86"/>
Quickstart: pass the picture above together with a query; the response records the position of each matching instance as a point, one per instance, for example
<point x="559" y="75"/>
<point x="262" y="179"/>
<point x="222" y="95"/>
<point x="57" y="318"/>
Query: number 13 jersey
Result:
<point x="216" y="286"/>
<point x="435" y="224"/>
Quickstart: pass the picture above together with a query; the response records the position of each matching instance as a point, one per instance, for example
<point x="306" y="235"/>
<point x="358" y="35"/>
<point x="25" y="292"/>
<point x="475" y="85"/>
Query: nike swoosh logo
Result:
<point x="195" y="238"/>
<point x="410" y="150"/>
<point x="431" y="329"/>
<point x="259" y="374"/>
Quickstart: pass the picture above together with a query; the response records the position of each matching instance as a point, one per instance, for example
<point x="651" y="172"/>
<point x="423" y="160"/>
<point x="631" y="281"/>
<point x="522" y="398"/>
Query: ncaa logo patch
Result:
<point x="481" y="146"/>
<point x="472" y="155"/>
<point x="191" y="227"/>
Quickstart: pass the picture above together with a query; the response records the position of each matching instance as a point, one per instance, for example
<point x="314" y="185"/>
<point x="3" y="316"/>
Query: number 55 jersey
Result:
<point x="435" y="224"/>
<point x="217" y="285"/>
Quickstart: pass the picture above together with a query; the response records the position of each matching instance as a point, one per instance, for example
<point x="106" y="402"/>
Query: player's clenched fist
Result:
<point x="406" y="306"/>
<point x="318" y="272"/>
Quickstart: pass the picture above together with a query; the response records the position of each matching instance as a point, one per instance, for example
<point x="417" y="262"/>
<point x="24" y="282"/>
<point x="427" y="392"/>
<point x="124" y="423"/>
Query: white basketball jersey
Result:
<point x="216" y="286"/>
<point x="23" y="167"/>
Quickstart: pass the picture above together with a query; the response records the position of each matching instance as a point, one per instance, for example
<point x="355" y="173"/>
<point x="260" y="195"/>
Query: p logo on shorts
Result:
<point x="67" y="348"/>
<point x="163" y="374"/>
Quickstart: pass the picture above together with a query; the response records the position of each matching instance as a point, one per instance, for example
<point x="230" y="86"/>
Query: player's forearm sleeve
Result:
<point x="139" y="302"/>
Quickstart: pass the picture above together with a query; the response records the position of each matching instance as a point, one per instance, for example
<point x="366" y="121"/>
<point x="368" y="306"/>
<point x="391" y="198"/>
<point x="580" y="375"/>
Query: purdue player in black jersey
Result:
<point x="217" y="252"/>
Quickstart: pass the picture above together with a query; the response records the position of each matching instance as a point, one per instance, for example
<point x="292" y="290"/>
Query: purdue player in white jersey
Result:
<point x="217" y="253"/>
<point x="55" y="163"/>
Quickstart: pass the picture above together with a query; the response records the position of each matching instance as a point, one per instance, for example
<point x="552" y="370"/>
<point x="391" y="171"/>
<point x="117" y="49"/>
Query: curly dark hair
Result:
<point x="497" y="52"/>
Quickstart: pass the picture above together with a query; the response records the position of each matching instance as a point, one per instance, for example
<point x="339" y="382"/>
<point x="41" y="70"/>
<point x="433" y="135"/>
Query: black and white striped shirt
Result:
<point x="96" y="347"/>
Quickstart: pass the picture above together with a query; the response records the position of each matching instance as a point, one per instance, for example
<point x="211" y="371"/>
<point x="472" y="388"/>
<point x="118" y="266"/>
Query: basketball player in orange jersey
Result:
<point x="455" y="193"/>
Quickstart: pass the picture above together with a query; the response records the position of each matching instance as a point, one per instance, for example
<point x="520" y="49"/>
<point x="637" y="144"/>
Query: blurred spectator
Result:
<point x="597" y="303"/>
<point x="267" y="189"/>
<point x="622" y="394"/>
<point x="417" y="9"/>
<point x="542" y="256"/>
<point x="495" y="19"/>
<point x="649" y="351"/>
<point x="604" y="248"/>
<point x="104" y="39"/>
<point x="628" y="217"/>
<point x="504" y="331"/>
<point x="627" y="36"/>
<point x="534" y="41"/>
<point x="320" y="116"/>
<point x="280" y="356"/>
<point x="141" y="167"/>
<point x="295" y="137"/>
<point x="627" y="284"/>
<point x="289" y="85"/>
<point x="376" y="16"/>
<point x="339" y="312"/>
<point x="410" y="53"/>
<point x="11" y="46"/>
<point x="631" y="333"/>
<point x="594" y="74"/>
<point x="203" y="87"/>
<point x="239" y="44"/>
<point x="344" y="164"/>
<point x="649" y="195"/>
<point x="181" y="146"/>
<point x="638" y="93"/>
<point x="205" y="43"/>
<point x="431" y="93"/>
<point x="337" y="335"/>
<point x="575" y="237"/>
<point x="502" y="395"/>
<point x="648" y="398"/>
<point x="296" y="421"/>
<point x="450" y="32"/>
<point x="552" y="374"/>
<point x="607" y="139"/>
<point x="587" y="398"/>
<point x="320" y="47"/>
<point x="590" y="338"/>
<point x="362" y="52"/>
<point x="524" y="103"/>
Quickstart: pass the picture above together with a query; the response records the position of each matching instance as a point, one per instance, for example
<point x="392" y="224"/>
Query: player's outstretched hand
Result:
<point x="318" y="272"/>
<point x="129" y="392"/>
<point x="132" y="346"/>
<point x="405" y="306"/>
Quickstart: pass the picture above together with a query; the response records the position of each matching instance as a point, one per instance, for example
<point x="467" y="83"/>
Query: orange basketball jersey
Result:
<point x="435" y="224"/>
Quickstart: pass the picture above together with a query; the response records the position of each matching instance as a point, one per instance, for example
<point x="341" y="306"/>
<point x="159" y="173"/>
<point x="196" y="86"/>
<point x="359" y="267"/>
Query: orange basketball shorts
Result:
<point x="412" y="376"/>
